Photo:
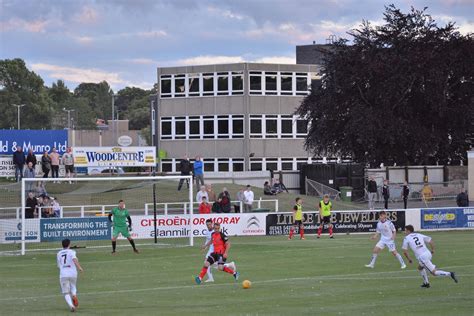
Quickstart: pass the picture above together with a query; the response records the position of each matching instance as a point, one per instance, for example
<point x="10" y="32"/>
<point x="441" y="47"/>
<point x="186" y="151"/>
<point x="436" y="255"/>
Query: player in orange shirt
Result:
<point x="221" y="248"/>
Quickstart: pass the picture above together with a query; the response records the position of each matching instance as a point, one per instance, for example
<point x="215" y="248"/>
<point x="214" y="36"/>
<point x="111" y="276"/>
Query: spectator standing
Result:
<point x="198" y="171"/>
<point x="29" y="174"/>
<point x="45" y="164"/>
<point x="202" y="192"/>
<point x="385" y="193"/>
<point x="240" y="198"/>
<point x="31" y="157"/>
<point x="210" y="193"/>
<point x="248" y="199"/>
<point x="31" y="205"/>
<point x="204" y="207"/>
<point x="56" y="208"/>
<point x="224" y="200"/>
<point x="405" y="194"/>
<point x="19" y="162"/>
<point x="68" y="162"/>
<point x="267" y="189"/>
<point x="372" y="192"/>
<point x="54" y="163"/>
<point x="185" y="167"/>
<point x="462" y="200"/>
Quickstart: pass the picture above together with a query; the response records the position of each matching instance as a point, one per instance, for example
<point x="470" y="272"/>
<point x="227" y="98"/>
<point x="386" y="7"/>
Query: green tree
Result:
<point x="400" y="93"/>
<point x="126" y="96"/>
<point x="99" y="97"/>
<point x="59" y="93"/>
<point x="18" y="85"/>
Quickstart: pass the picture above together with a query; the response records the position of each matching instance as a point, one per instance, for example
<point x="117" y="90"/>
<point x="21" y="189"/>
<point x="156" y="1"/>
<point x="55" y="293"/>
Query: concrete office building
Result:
<point x="238" y="117"/>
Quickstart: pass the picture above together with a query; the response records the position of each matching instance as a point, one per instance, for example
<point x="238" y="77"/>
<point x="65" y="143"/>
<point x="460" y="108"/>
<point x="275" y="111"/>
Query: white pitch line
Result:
<point x="168" y="257"/>
<point x="344" y="277"/>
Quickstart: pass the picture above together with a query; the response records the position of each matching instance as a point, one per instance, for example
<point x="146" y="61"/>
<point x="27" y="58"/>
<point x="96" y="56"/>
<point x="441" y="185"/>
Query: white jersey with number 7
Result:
<point x="417" y="243"/>
<point x="66" y="265"/>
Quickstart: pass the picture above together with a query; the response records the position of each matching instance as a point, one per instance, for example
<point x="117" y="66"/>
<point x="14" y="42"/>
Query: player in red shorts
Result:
<point x="221" y="248"/>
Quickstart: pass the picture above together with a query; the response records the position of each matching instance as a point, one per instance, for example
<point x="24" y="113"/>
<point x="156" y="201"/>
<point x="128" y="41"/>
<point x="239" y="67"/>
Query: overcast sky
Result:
<point x="123" y="41"/>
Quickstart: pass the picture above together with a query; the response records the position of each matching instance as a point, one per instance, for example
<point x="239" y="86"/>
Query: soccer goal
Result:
<point x="49" y="210"/>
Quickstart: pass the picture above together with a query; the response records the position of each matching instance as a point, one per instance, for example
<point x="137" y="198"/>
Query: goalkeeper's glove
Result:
<point x="129" y="228"/>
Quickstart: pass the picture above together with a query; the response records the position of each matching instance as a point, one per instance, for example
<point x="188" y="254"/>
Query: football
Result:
<point x="246" y="284"/>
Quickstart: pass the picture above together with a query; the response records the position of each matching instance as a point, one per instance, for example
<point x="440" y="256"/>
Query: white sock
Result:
<point x="68" y="299"/>
<point x="424" y="275"/>
<point x="442" y="273"/>
<point x="374" y="257"/>
<point x="209" y="274"/>
<point x="73" y="290"/>
<point x="400" y="259"/>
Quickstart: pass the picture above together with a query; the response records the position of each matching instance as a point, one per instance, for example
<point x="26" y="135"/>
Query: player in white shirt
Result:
<point x="417" y="243"/>
<point x="208" y="235"/>
<point x="387" y="239"/>
<point x="68" y="265"/>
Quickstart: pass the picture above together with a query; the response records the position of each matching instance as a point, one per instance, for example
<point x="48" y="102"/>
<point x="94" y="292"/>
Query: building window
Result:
<point x="237" y="83"/>
<point x="301" y="83"/>
<point x="256" y="126"/>
<point x="237" y="164"/>
<point x="165" y="86"/>
<point x="222" y="126"/>
<point x="222" y="83"/>
<point x="180" y="128"/>
<point x="301" y="128"/>
<point x="286" y="163"/>
<point x="193" y="84"/>
<point x="208" y="84"/>
<point x="300" y="162"/>
<point x="237" y="126"/>
<point x="286" y="83"/>
<point x="256" y="164"/>
<point x="286" y="126"/>
<point x="271" y="164"/>
<point x="209" y="164"/>
<point x="194" y="127"/>
<point x="179" y="85"/>
<point x="166" y="128"/>
<point x="223" y="164"/>
<point x="271" y="126"/>
<point x="167" y="165"/>
<point x="208" y="127"/>
<point x="255" y="78"/>
<point x="270" y="83"/>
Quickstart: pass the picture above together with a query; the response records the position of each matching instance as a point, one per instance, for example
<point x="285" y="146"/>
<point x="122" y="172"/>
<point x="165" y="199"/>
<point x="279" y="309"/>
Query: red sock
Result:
<point x="203" y="272"/>
<point x="292" y="231"/>
<point x="230" y="271"/>
<point x="320" y="229"/>
<point x="330" y="230"/>
<point x="301" y="232"/>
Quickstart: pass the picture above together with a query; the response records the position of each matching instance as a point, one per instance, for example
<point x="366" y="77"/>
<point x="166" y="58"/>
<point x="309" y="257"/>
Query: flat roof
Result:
<point x="238" y="67"/>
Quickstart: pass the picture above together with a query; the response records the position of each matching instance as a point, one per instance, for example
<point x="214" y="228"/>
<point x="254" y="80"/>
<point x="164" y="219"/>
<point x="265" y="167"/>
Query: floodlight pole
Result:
<point x="19" y="106"/>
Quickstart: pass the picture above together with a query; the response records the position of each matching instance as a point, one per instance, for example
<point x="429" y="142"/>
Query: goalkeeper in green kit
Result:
<point x="119" y="223"/>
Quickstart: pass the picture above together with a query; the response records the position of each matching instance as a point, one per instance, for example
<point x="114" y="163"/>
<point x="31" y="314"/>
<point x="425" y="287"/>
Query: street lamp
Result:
<point x="19" y="106"/>
<point x="68" y="117"/>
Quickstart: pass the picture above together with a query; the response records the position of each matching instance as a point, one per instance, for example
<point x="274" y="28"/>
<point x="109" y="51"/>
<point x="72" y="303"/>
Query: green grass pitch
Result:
<point x="296" y="277"/>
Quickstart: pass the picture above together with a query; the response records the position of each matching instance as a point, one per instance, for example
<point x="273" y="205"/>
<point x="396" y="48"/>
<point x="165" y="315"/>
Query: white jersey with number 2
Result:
<point x="417" y="243"/>
<point x="67" y="268"/>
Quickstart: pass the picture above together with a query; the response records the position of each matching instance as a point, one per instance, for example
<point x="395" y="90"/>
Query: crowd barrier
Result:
<point x="239" y="224"/>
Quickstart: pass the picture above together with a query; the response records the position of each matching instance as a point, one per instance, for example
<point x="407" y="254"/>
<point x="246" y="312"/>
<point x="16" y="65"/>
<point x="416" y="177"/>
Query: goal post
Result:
<point x="77" y="209"/>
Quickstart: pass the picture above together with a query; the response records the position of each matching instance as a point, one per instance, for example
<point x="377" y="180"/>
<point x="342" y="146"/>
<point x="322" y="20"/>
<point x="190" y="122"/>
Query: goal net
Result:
<point x="42" y="212"/>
